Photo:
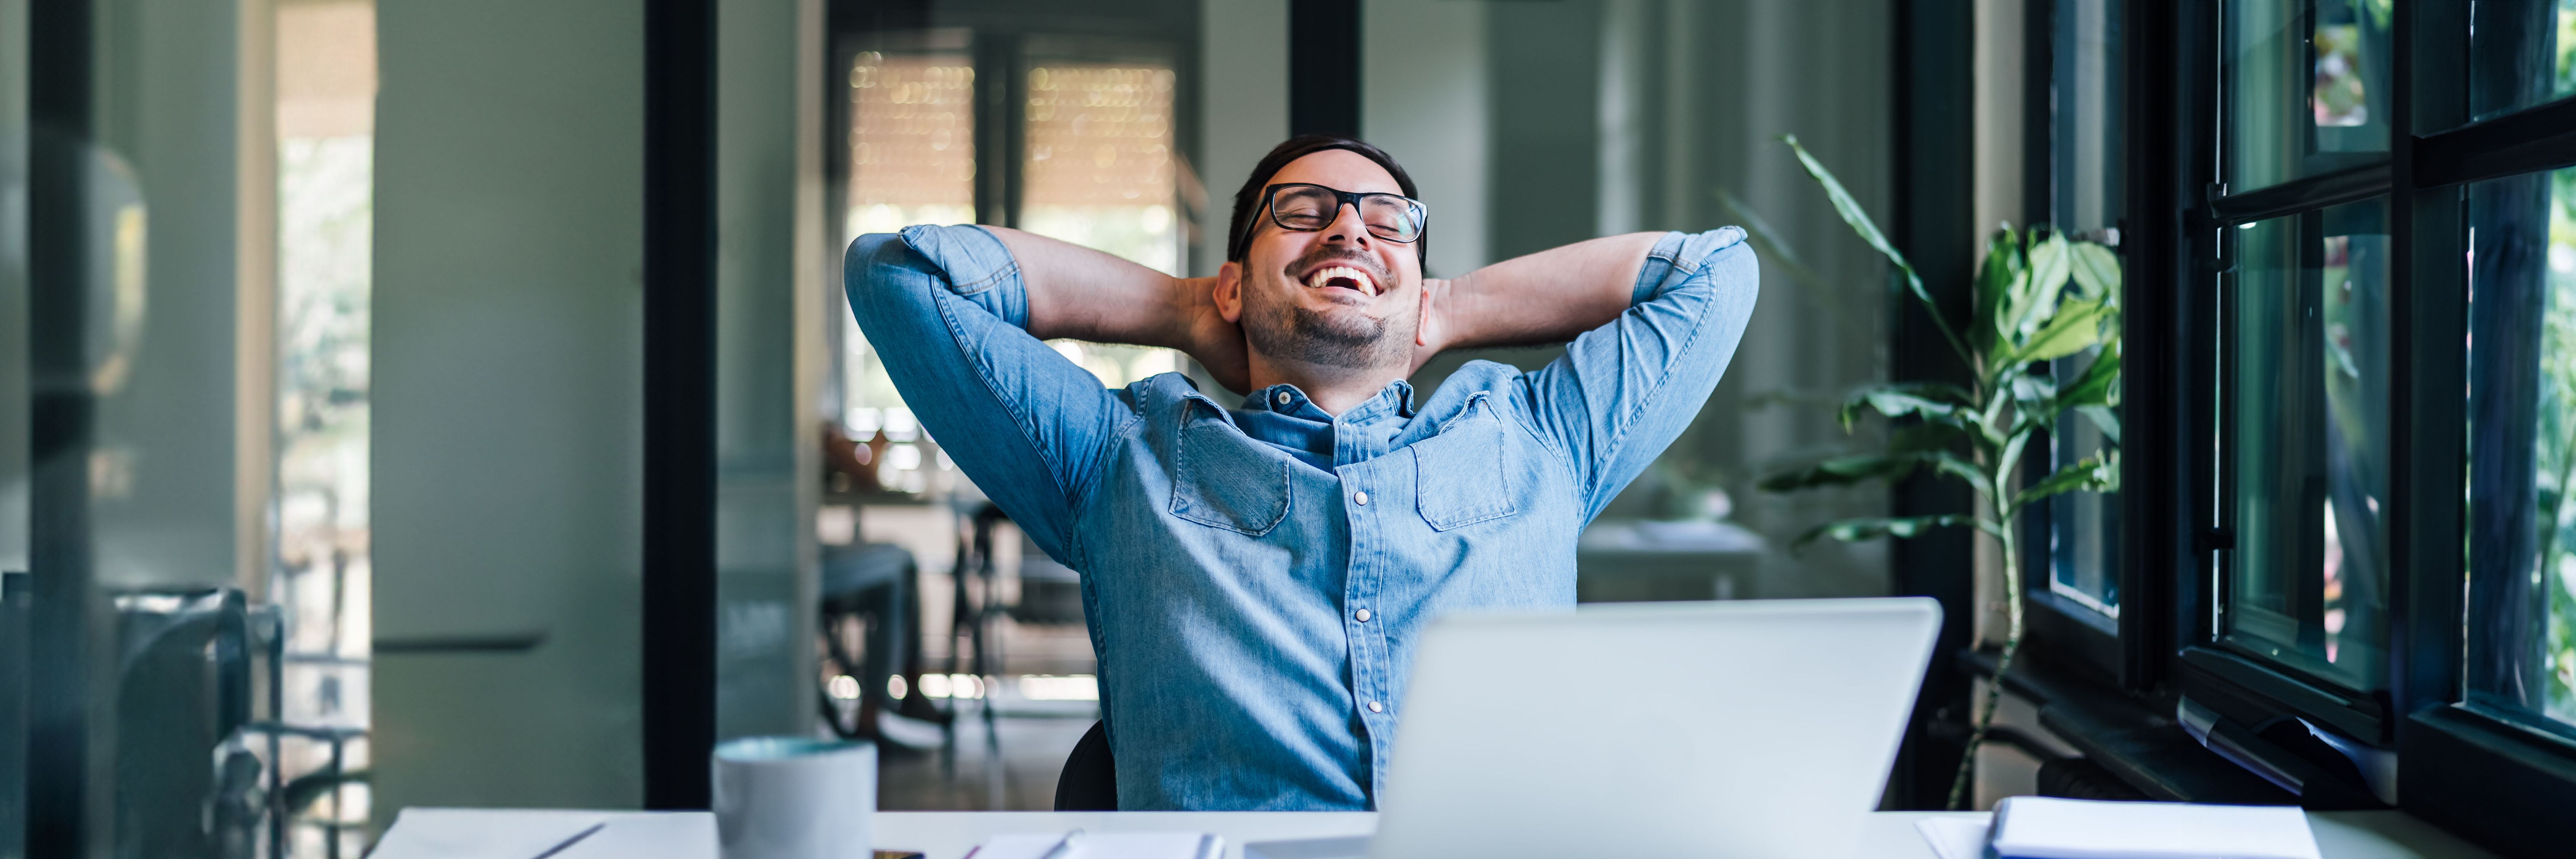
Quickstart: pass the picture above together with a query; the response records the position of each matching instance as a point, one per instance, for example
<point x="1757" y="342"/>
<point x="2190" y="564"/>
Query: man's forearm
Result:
<point x="1085" y="294"/>
<point x="1545" y="297"/>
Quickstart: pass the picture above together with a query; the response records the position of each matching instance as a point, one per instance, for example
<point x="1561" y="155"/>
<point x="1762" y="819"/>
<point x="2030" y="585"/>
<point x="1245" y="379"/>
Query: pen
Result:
<point x="1063" y="847"/>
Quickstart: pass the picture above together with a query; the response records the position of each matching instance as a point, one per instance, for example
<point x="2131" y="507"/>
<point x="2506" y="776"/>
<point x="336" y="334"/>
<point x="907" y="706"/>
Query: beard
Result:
<point x="1343" y="337"/>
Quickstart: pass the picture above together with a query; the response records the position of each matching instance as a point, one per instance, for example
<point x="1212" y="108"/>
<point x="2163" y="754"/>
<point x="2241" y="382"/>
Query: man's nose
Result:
<point x="1347" y="226"/>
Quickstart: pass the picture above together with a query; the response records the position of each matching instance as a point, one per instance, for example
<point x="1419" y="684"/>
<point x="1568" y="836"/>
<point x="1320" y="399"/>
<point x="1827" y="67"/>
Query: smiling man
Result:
<point x="1255" y="576"/>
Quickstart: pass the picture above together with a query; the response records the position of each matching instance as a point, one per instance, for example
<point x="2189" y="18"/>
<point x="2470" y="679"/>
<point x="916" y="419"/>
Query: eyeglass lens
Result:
<point x="1311" y="207"/>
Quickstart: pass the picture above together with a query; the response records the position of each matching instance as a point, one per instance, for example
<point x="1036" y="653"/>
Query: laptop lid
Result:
<point x="1714" y="729"/>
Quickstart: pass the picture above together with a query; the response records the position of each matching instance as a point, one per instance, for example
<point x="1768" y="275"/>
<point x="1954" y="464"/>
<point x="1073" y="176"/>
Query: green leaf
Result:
<point x="2097" y="383"/>
<point x="2097" y="273"/>
<point x="1933" y="401"/>
<point x="2037" y="300"/>
<point x="2077" y="327"/>
<point x="1868" y="231"/>
<point x="2104" y="419"/>
<point x="2097" y="473"/>
<point x="1856" y="530"/>
<point x="1997" y="279"/>
<point x="1949" y="463"/>
<point x="1842" y="471"/>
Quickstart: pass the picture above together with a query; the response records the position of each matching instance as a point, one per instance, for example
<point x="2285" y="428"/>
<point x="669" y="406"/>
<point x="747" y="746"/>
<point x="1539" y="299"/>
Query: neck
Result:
<point x="1333" y="389"/>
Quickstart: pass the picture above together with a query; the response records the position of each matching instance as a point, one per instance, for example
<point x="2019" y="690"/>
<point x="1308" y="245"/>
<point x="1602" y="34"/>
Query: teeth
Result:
<point x="1321" y="276"/>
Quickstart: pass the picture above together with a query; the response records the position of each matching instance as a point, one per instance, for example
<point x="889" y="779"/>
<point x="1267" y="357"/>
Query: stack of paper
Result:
<point x="1102" y="845"/>
<point x="2034" y="827"/>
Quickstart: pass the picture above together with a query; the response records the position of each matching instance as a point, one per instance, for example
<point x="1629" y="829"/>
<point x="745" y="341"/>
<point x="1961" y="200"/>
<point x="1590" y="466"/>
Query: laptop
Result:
<point x="1711" y="729"/>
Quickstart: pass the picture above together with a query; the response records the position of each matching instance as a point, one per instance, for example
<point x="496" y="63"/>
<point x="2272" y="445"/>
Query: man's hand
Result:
<point x="1209" y="339"/>
<point x="1430" y="330"/>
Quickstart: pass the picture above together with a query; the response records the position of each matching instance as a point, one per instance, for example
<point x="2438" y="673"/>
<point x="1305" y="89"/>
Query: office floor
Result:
<point x="971" y="776"/>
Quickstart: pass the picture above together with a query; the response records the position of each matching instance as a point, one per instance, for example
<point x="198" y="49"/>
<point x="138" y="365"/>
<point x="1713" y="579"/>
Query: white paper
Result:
<point x="1102" y="845"/>
<point x="439" y="833"/>
<point x="2046" y="828"/>
<point x="1954" y="837"/>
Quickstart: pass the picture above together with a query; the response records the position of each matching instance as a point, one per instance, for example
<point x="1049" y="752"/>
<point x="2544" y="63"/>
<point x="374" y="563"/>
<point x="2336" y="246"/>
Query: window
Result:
<point x="1081" y="144"/>
<point x="2522" y="448"/>
<point x="2306" y="388"/>
<point x="2079" y="190"/>
<point x="2360" y="440"/>
<point x="2307" y="88"/>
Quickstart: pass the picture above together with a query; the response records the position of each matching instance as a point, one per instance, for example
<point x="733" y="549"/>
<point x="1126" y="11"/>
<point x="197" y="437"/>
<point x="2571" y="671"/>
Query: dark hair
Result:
<point x="1300" y="146"/>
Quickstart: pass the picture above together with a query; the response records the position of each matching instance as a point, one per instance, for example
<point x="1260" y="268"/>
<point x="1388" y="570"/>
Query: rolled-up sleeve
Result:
<point x="1622" y="392"/>
<point x="945" y="308"/>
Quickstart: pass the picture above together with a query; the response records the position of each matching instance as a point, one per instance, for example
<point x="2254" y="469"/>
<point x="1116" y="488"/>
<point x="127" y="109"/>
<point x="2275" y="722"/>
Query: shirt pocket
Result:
<point x="1460" y="476"/>
<point x="1222" y="479"/>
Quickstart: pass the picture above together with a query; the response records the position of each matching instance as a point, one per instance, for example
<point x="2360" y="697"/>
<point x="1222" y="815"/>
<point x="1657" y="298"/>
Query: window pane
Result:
<point x="2086" y="92"/>
<point x="912" y="141"/>
<point x="2522" y="446"/>
<point x="1101" y="175"/>
<point x="912" y="161"/>
<point x="2086" y="198"/>
<point x="2522" y="53"/>
<point x="2309" y="397"/>
<point x="2307" y="88"/>
<point x="1100" y="160"/>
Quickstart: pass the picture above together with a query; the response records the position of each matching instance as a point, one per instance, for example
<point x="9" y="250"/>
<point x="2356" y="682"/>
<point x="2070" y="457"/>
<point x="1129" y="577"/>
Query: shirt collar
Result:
<point x="1286" y="399"/>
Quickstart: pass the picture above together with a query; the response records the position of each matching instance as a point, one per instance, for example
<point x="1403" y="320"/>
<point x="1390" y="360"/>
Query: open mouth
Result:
<point x="1344" y="277"/>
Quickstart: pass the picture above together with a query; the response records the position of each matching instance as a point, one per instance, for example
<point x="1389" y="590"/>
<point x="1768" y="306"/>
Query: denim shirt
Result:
<point x="1255" y="578"/>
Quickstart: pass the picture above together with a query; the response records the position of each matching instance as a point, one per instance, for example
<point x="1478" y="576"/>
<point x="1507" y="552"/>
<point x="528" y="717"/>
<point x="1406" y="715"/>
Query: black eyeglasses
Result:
<point x="1306" y="208"/>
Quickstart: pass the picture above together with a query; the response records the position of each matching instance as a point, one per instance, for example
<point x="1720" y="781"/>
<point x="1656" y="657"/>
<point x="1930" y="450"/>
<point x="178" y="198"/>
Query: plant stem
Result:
<point x="2004" y="517"/>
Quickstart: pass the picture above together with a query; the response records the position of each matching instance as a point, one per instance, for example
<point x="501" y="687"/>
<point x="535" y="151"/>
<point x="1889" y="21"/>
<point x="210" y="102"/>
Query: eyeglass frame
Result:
<point x="1341" y="198"/>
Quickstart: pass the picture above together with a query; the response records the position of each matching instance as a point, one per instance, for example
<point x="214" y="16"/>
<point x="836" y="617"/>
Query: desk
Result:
<point x="435" y="833"/>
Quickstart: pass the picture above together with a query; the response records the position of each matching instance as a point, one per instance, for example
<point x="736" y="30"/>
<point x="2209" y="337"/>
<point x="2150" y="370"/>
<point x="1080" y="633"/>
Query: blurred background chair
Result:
<point x="188" y="785"/>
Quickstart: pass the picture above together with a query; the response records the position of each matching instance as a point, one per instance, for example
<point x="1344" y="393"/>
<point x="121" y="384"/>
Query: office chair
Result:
<point x="1090" y="778"/>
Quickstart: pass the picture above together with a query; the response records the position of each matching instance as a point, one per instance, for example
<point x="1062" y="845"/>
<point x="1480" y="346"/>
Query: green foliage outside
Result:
<point x="2556" y="457"/>
<point x="2039" y="297"/>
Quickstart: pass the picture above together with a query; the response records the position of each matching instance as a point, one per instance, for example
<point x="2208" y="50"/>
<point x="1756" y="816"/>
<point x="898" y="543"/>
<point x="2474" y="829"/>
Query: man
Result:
<point x="1255" y="578"/>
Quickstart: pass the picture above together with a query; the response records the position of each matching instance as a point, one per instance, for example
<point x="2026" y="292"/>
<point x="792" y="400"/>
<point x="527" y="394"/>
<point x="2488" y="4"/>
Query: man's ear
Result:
<point x="1229" y="292"/>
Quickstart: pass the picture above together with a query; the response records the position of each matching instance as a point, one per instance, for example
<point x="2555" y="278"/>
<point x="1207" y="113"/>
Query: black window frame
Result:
<point x="2496" y="782"/>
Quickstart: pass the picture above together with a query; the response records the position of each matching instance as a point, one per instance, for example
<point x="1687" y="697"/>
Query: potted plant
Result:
<point x="2040" y="297"/>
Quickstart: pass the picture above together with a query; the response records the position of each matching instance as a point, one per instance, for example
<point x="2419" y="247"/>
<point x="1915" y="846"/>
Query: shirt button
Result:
<point x="1375" y="707"/>
<point x="1362" y="498"/>
<point x="1283" y="398"/>
<point x="1363" y="615"/>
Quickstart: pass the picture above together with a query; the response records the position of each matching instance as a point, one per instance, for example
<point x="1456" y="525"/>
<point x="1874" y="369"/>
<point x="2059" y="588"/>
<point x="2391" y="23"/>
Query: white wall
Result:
<point x="508" y="376"/>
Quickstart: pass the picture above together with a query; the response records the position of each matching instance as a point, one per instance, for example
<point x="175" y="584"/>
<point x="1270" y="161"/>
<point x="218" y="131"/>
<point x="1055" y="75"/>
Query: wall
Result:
<point x="764" y="441"/>
<point x="13" y="299"/>
<point x="1243" y="108"/>
<point x="508" y="375"/>
<point x="162" y="473"/>
<point x="1426" y="98"/>
<point x="1532" y="125"/>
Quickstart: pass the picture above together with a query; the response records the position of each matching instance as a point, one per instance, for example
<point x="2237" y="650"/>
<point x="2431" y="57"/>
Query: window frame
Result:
<point x="2503" y="784"/>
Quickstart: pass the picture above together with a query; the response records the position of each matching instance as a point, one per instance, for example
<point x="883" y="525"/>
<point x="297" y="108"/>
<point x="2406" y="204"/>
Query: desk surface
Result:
<point x="436" y="833"/>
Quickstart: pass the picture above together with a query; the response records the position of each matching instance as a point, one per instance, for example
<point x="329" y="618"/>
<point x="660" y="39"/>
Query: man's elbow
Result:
<point x="876" y="272"/>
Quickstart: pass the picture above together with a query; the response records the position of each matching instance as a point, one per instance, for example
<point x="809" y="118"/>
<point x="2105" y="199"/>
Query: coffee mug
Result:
<point x="795" y="798"/>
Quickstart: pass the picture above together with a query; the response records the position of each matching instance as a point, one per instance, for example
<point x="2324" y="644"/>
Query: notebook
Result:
<point x="2038" y="827"/>
<point x="1102" y="845"/>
